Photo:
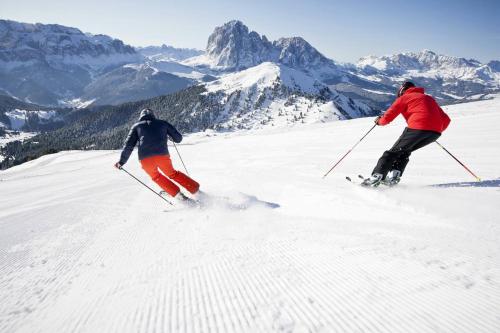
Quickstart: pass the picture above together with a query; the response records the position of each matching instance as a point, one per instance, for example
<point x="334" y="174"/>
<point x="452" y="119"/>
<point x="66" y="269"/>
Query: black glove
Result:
<point x="377" y="119"/>
<point x="118" y="165"/>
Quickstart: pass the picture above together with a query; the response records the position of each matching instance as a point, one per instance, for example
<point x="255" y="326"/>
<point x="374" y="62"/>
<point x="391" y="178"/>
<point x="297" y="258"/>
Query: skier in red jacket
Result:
<point x="426" y="121"/>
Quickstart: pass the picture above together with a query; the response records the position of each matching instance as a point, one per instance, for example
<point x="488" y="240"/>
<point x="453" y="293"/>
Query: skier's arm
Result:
<point x="394" y="110"/>
<point x="129" y="145"/>
<point x="173" y="133"/>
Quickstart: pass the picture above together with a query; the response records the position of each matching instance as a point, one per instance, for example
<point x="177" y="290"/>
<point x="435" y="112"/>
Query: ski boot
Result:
<point x="200" y="196"/>
<point x="185" y="201"/>
<point x="373" y="181"/>
<point x="393" y="178"/>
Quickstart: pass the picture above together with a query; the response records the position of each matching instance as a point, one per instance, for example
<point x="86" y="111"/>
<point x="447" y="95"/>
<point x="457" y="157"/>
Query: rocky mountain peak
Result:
<point x="233" y="46"/>
<point x="296" y="52"/>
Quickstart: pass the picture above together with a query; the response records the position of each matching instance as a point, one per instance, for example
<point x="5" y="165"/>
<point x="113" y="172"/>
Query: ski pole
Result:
<point x="131" y="175"/>
<point x="180" y="157"/>
<point x="456" y="159"/>
<point x="326" y="174"/>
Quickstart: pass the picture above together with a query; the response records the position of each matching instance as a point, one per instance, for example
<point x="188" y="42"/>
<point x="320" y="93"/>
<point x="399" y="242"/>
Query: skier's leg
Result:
<point x="185" y="181"/>
<point x="420" y="139"/>
<point x="401" y="163"/>
<point x="426" y="138"/>
<point x="150" y="165"/>
<point x="165" y="164"/>
<point x="385" y="162"/>
<point x="400" y="151"/>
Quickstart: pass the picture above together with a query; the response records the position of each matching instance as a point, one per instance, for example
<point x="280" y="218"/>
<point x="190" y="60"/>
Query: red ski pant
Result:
<point x="154" y="164"/>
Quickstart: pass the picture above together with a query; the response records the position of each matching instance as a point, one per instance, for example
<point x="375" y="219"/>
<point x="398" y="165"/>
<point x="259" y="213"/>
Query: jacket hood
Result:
<point x="147" y="117"/>
<point x="146" y="112"/>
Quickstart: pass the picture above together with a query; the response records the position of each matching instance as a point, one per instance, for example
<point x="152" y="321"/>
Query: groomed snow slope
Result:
<point x="83" y="248"/>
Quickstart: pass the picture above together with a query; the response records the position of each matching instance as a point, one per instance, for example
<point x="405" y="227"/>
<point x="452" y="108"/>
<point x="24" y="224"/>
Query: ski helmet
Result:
<point x="146" y="112"/>
<point x="404" y="87"/>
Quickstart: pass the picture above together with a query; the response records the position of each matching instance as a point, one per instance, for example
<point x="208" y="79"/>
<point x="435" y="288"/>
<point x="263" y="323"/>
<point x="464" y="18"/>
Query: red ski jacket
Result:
<point x="420" y="111"/>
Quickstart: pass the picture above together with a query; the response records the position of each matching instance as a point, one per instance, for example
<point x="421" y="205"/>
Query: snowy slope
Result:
<point x="85" y="249"/>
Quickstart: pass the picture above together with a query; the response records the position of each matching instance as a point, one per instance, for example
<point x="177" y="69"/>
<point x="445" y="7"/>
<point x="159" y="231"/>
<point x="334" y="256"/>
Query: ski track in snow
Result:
<point x="83" y="248"/>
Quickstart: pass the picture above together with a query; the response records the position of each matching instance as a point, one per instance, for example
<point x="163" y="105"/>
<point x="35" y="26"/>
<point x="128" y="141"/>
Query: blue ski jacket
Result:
<point x="151" y="135"/>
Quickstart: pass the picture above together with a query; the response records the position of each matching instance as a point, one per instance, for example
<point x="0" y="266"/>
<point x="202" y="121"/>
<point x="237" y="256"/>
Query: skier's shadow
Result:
<point x="482" y="183"/>
<point x="254" y="200"/>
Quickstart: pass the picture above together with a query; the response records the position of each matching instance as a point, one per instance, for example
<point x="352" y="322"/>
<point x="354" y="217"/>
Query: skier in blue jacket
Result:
<point x="150" y="135"/>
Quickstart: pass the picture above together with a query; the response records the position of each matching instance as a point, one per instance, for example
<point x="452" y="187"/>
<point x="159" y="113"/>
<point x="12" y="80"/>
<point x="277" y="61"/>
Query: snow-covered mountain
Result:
<point x="271" y="94"/>
<point x="53" y="64"/>
<point x="373" y="80"/>
<point x="231" y="47"/>
<point x="168" y="53"/>
<point x="23" y="44"/>
<point x="427" y="64"/>
<point x="447" y="78"/>
<point x="47" y="63"/>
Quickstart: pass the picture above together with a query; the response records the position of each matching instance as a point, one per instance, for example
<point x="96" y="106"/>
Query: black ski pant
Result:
<point x="398" y="156"/>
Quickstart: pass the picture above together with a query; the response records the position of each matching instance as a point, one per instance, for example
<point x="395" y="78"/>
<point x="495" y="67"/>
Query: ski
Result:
<point x="351" y="180"/>
<point x="360" y="182"/>
<point x="188" y="203"/>
<point x="362" y="178"/>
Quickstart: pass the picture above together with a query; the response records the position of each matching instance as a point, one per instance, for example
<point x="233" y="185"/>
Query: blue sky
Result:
<point x="342" y="30"/>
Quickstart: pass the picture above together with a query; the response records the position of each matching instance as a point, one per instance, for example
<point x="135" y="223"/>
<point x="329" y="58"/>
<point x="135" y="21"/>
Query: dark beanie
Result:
<point x="146" y="112"/>
<point x="406" y="85"/>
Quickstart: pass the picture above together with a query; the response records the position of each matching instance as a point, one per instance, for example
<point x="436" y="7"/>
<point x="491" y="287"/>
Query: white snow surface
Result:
<point x="85" y="248"/>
